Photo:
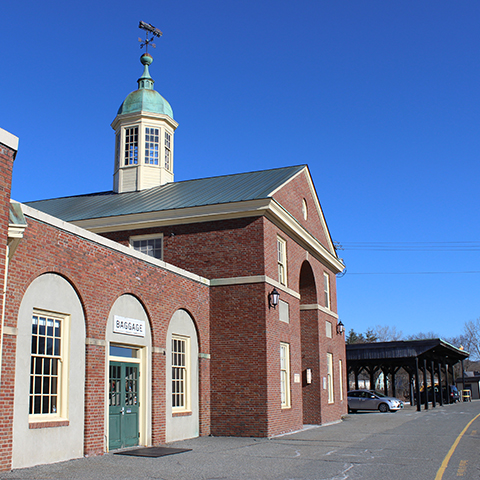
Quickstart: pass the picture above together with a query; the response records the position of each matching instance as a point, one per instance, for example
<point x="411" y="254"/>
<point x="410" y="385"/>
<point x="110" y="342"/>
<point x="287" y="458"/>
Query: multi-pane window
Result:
<point x="168" y="151"/>
<point x="282" y="260"/>
<point x="45" y="365"/>
<point x="326" y="289"/>
<point x="151" y="146"/>
<point x="149" y="246"/>
<point x="330" y="377"/>
<point x="131" y="146"/>
<point x="179" y="372"/>
<point x="285" y="374"/>
<point x="114" y="391"/>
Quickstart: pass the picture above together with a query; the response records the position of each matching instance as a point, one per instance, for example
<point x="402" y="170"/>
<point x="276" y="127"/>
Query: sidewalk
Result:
<point x="327" y="452"/>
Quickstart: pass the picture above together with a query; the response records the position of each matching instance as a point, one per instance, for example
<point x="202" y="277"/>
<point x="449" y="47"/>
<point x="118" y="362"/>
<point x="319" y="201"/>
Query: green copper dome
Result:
<point x="145" y="98"/>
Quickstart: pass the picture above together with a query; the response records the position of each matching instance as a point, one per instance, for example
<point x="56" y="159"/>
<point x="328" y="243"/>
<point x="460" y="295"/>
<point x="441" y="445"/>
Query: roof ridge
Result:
<point x="111" y="192"/>
<point x="243" y="173"/>
<point x="91" y="194"/>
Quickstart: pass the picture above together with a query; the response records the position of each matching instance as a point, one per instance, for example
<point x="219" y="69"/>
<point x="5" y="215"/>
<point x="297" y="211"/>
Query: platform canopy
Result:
<point x="434" y="355"/>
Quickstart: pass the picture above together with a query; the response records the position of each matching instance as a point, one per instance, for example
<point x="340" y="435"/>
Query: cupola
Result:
<point x="144" y="129"/>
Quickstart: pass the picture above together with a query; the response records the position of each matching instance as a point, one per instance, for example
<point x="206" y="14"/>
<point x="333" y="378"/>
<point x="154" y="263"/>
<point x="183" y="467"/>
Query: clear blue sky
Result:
<point x="380" y="98"/>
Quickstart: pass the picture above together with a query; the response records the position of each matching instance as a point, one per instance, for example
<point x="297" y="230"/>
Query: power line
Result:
<point x="412" y="273"/>
<point x="452" y="246"/>
<point x="457" y="246"/>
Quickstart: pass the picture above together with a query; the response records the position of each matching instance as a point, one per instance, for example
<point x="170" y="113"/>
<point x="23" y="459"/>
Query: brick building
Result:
<point x="150" y="313"/>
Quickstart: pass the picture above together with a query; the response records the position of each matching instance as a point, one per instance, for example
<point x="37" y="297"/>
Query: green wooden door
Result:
<point x="123" y="405"/>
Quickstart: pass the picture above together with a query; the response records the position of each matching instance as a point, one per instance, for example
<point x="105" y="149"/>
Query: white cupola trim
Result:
<point x="144" y="130"/>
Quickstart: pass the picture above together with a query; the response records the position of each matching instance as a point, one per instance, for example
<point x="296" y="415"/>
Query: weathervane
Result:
<point x="155" y="32"/>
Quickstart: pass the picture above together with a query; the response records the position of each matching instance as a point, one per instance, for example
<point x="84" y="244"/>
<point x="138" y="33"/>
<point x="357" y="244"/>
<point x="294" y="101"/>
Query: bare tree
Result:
<point x="387" y="333"/>
<point x="471" y="338"/>
<point x="423" y="336"/>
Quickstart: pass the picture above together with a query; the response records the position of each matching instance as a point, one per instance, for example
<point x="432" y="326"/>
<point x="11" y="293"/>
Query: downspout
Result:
<point x="4" y="301"/>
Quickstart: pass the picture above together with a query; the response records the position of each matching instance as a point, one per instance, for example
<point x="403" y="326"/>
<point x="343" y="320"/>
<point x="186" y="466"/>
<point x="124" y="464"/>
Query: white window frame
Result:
<point x="184" y="379"/>
<point x="326" y="289"/>
<point x="152" y="148"/>
<point x="153" y="236"/>
<point x="328" y="329"/>
<point x="282" y="260"/>
<point x="340" y="372"/>
<point x="131" y="158"/>
<point x="285" y="396"/>
<point x="331" y="397"/>
<point x="167" y="145"/>
<point x="61" y="360"/>
<point x="283" y="311"/>
<point x="305" y="209"/>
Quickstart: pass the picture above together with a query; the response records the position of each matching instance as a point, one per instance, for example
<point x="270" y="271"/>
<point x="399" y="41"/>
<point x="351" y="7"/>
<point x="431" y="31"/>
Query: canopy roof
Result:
<point x="404" y="352"/>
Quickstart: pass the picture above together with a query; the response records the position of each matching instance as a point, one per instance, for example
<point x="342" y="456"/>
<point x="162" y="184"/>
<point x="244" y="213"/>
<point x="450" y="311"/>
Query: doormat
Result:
<point x="153" y="451"/>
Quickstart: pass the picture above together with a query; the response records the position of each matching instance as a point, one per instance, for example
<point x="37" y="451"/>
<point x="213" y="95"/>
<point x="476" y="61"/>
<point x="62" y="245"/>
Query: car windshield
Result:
<point x="378" y="394"/>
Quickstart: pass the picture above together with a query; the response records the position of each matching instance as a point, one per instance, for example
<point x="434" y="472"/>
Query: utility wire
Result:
<point x="465" y="246"/>
<point x="457" y="246"/>
<point x="411" y="273"/>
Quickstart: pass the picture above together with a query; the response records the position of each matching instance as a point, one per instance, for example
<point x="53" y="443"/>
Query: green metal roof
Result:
<point x="145" y="98"/>
<point x="190" y="193"/>
<point x="16" y="215"/>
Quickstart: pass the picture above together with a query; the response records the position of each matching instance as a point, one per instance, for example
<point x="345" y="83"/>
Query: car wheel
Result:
<point x="383" y="407"/>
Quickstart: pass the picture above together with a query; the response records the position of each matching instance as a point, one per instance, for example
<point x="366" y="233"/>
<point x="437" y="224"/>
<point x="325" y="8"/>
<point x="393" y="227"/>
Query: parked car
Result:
<point x="452" y="394"/>
<point x="371" y="400"/>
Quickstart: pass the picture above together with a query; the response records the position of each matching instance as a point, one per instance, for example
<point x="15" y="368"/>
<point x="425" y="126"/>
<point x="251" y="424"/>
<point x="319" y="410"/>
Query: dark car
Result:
<point x="452" y="394"/>
<point x="371" y="400"/>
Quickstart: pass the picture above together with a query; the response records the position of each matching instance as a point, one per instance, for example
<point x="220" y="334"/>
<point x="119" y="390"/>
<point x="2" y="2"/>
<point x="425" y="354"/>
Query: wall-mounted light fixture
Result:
<point x="340" y="328"/>
<point x="273" y="298"/>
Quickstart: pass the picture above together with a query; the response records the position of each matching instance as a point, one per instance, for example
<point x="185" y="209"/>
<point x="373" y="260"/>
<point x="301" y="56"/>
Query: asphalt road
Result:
<point x="407" y="445"/>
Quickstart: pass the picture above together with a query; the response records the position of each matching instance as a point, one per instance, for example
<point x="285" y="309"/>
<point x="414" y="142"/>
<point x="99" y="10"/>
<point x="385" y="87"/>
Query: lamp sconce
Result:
<point x="273" y="298"/>
<point x="340" y="327"/>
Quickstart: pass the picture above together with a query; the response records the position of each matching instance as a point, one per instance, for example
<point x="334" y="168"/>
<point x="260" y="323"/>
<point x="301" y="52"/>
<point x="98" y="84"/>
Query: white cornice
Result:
<point x="93" y="237"/>
<point x="9" y="140"/>
<point x="220" y="282"/>
<point x="268" y="207"/>
<point x="138" y="116"/>
<point x="316" y="306"/>
<point x="277" y="213"/>
<point x="318" y="207"/>
<point x="179" y="216"/>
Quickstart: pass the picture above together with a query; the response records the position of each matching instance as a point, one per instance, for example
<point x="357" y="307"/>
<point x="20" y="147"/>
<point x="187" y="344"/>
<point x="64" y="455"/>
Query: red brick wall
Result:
<point x="314" y="329"/>
<point x="280" y="419"/>
<point x="219" y="249"/>
<point x="238" y="364"/>
<point x="244" y="247"/>
<point x="9" y="342"/>
<point x="291" y="198"/>
<point x="336" y="346"/>
<point x="100" y="275"/>
<point x="311" y="359"/>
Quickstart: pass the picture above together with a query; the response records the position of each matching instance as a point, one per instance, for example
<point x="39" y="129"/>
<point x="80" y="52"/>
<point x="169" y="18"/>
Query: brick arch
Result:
<point x="307" y="285"/>
<point x="310" y="342"/>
